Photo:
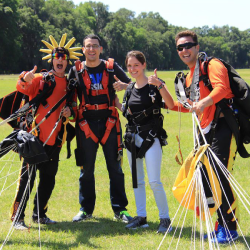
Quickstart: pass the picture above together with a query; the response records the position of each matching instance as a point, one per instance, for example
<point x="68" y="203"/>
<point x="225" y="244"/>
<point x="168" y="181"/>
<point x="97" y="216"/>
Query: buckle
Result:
<point x="96" y="107"/>
<point x="156" y="111"/>
<point x="83" y="123"/>
<point x="213" y="125"/>
<point x="150" y="133"/>
<point x="111" y="120"/>
<point x="138" y="129"/>
<point x="144" y="112"/>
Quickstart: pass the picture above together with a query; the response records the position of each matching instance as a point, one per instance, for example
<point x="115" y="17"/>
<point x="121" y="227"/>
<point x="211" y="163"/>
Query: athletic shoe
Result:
<point x="82" y="216"/>
<point x="44" y="220"/>
<point x="224" y="236"/>
<point x="165" y="224"/>
<point x="124" y="216"/>
<point x="137" y="222"/>
<point x="20" y="225"/>
<point x="217" y="228"/>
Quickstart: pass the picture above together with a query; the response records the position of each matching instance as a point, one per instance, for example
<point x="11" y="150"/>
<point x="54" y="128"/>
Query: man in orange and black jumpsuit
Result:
<point x="29" y="84"/>
<point x="93" y="116"/>
<point x="223" y="142"/>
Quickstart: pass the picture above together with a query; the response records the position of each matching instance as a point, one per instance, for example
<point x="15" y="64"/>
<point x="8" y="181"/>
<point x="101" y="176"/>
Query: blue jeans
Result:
<point x="86" y="154"/>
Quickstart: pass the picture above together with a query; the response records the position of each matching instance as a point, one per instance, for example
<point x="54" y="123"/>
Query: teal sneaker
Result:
<point x="123" y="215"/>
<point x="82" y="216"/>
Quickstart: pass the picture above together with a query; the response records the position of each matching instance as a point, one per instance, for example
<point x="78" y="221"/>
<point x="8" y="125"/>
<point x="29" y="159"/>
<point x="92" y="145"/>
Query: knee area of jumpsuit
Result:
<point x="155" y="185"/>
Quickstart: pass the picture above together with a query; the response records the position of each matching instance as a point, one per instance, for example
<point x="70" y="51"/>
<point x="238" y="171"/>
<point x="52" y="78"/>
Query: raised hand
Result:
<point x="153" y="79"/>
<point x="30" y="75"/>
<point x="119" y="85"/>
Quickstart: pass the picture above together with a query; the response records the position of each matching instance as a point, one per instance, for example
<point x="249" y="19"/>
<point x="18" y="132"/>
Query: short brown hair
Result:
<point x="137" y="54"/>
<point x="186" y="33"/>
<point x="91" y="36"/>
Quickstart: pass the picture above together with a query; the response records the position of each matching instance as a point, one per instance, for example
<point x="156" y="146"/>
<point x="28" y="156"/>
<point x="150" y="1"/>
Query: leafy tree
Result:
<point x="10" y="39"/>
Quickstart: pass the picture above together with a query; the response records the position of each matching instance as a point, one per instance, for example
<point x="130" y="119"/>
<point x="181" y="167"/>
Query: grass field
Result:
<point x="103" y="232"/>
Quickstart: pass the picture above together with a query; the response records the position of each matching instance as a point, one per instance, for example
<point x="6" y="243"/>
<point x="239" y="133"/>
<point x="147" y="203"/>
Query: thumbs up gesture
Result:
<point x="154" y="80"/>
<point x="118" y="84"/>
<point x="30" y="75"/>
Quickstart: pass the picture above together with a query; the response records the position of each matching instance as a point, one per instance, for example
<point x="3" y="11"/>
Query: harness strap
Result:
<point x="96" y="92"/>
<point x="86" y="129"/>
<point x="153" y="109"/>
<point x="109" y="125"/>
<point x="95" y="107"/>
<point x="194" y="87"/>
<point x="133" y="167"/>
<point x="138" y="129"/>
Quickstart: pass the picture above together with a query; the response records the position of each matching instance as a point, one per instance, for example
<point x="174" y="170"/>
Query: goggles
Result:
<point x="180" y="47"/>
<point x="58" y="55"/>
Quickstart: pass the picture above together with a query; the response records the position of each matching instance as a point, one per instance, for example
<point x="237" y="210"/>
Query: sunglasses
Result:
<point x="58" y="55"/>
<point x="180" y="47"/>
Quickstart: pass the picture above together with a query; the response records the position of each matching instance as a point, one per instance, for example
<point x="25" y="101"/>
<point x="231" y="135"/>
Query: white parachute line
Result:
<point x="5" y="181"/>
<point x="224" y="171"/>
<point x="12" y="183"/>
<point x="197" y="122"/>
<point x="38" y="216"/>
<point x="10" y="147"/>
<point x="183" y="208"/>
<point x="10" y="173"/>
<point x="194" y="130"/>
<point x="17" y="215"/>
<point x="208" y="217"/>
<point x="235" y="185"/>
<point x="5" y="163"/>
<point x="10" y="119"/>
<point x="55" y="126"/>
<point x="239" y="195"/>
<point x="189" y="199"/>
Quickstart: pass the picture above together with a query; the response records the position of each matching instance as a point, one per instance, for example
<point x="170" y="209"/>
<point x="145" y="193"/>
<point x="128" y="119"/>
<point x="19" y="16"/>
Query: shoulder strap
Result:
<point x="78" y="69"/>
<point x="110" y="64"/>
<point x="126" y="98"/>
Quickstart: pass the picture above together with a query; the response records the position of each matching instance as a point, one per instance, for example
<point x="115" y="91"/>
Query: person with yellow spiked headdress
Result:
<point x="49" y="90"/>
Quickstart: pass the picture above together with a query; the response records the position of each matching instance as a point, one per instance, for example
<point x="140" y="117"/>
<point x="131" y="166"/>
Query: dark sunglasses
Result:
<point x="180" y="47"/>
<point x="58" y="55"/>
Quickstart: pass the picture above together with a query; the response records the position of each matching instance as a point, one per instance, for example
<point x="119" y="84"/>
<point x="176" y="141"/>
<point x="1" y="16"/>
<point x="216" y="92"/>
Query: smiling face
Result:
<point x="92" y="50"/>
<point x="188" y="55"/>
<point x="135" y="67"/>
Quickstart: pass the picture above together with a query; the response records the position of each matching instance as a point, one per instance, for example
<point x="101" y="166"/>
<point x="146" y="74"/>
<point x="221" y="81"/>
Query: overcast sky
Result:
<point x="189" y="13"/>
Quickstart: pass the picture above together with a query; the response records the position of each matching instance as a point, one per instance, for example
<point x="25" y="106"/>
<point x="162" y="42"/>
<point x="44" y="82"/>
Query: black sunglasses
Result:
<point x="180" y="47"/>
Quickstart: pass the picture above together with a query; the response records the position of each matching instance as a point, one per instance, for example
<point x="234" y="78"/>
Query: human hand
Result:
<point x="197" y="107"/>
<point x="119" y="85"/>
<point x="66" y="112"/>
<point x="154" y="80"/>
<point x="29" y="76"/>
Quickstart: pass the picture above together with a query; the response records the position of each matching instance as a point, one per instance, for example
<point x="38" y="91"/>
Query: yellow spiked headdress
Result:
<point x="54" y="45"/>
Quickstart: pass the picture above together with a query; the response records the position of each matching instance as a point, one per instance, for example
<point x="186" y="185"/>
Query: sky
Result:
<point x="189" y="13"/>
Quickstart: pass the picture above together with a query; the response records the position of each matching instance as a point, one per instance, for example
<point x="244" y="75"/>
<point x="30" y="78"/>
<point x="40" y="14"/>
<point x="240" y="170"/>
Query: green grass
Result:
<point x="103" y="232"/>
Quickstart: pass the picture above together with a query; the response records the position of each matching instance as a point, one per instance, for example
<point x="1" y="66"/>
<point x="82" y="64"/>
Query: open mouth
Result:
<point x="59" y="66"/>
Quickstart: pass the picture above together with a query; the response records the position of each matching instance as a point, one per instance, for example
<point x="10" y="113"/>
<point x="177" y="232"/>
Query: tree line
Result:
<point x="24" y="23"/>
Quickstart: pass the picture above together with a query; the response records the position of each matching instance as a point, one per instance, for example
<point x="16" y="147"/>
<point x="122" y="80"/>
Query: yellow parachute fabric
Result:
<point x="184" y="188"/>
